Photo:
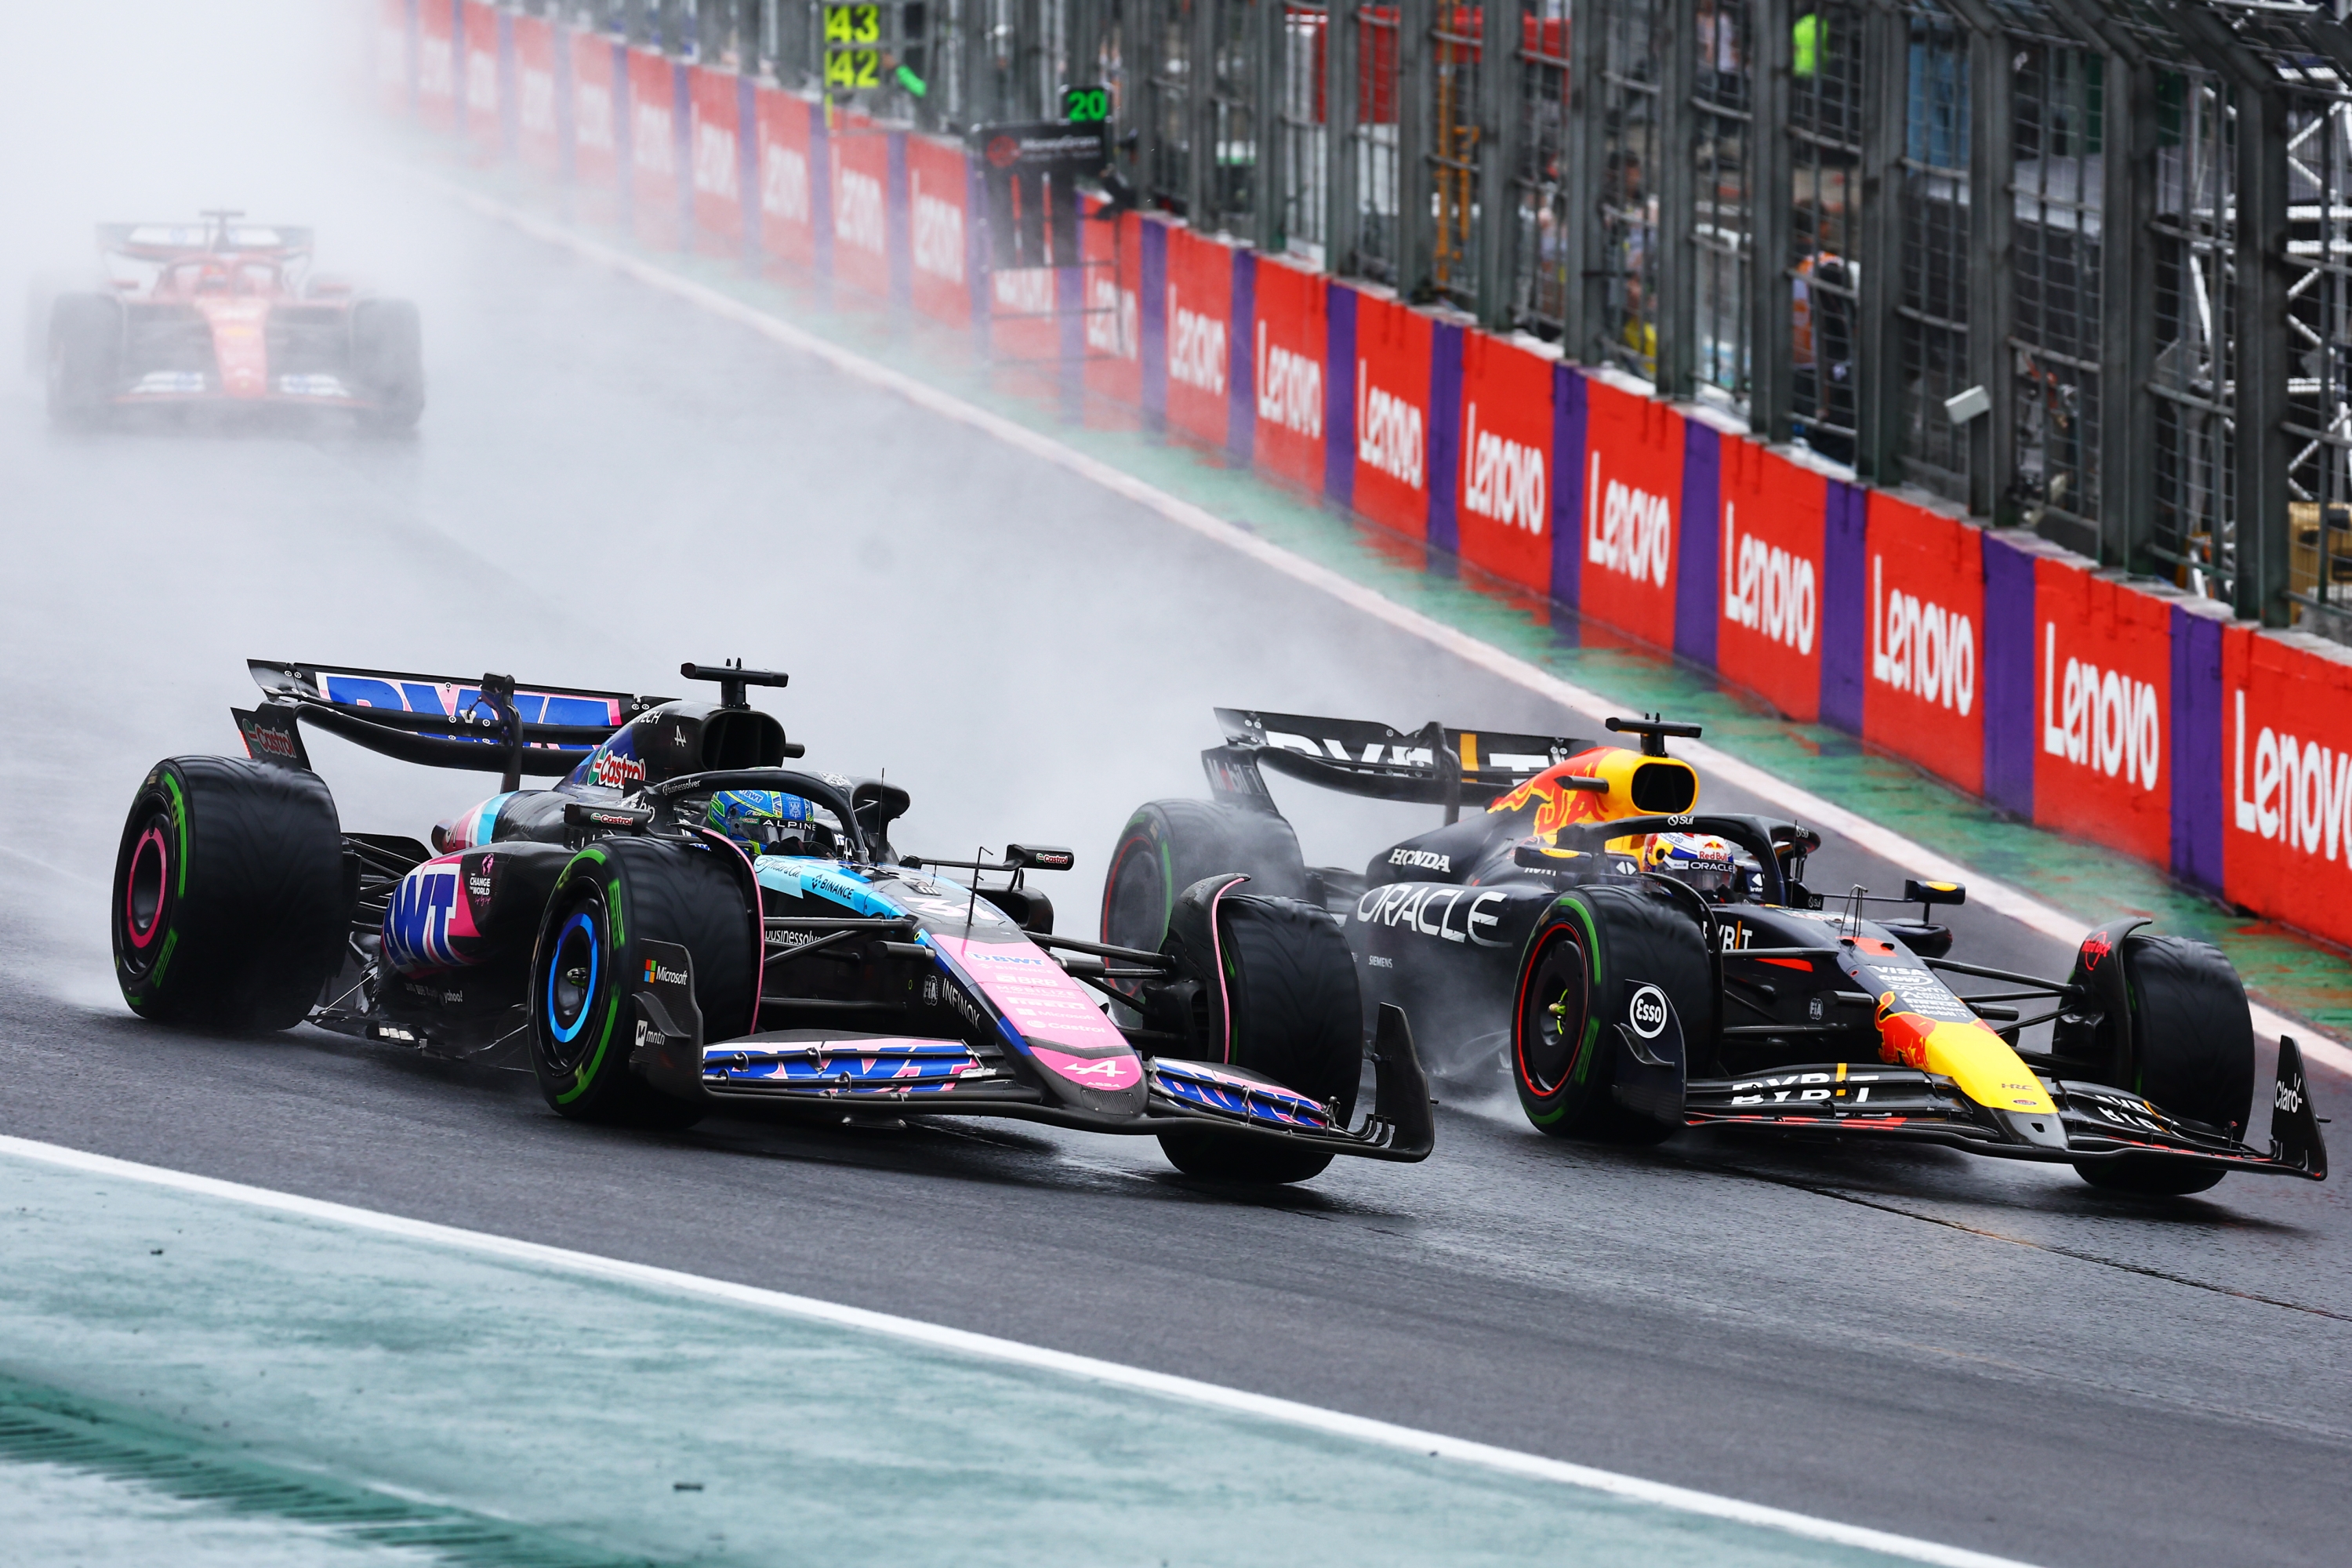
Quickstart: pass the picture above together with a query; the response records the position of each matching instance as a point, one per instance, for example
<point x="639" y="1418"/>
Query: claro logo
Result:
<point x="2302" y="791"/>
<point x="1196" y="350"/>
<point x="1767" y="589"/>
<point x="1919" y="646"/>
<point x="2104" y="719"/>
<point x="1626" y="530"/>
<point x="858" y="211"/>
<point x="1501" y="479"/>
<point x="1388" y="437"/>
<point x="784" y="184"/>
<point x="1289" y="389"/>
<point x="939" y="236"/>
<point x="714" y="159"/>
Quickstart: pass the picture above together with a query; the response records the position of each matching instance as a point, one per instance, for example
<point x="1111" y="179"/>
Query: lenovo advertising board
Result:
<point x="1288" y="333"/>
<point x="1200" y="336"/>
<point x="715" y="160"/>
<point x="478" y="23"/>
<point x="1924" y="658"/>
<point x="1391" y="376"/>
<point x="2103" y="689"/>
<point x="655" y="177"/>
<point x="861" y="203"/>
<point x="787" y="222"/>
<point x="1502" y="480"/>
<point x="938" y="197"/>
<point x="1769" y="610"/>
<point x="2286" y="717"/>
<point x="538" y="133"/>
<point x="1114" y="305"/>
<point x="1633" y="457"/>
<point x="436" y="65"/>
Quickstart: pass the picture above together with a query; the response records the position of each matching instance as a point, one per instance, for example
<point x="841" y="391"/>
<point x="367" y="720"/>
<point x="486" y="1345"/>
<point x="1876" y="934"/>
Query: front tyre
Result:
<point x="2191" y="1054"/>
<point x="1169" y="845"/>
<point x="388" y="363"/>
<point x="611" y="900"/>
<point x="229" y="907"/>
<point x="1582" y="951"/>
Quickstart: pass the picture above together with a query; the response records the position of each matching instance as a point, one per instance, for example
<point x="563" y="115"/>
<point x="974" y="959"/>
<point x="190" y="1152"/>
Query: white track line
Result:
<point x="1884" y="843"/>
<point x="1532" y="1466"/>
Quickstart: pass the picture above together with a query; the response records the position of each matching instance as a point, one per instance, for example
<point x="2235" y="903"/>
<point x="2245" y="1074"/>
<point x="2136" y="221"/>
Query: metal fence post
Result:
<point x="1993" y="436"/>
<point x="1416" y="86"/>
<point x="1499" y="91"/>
<point x="1675" y="314"/>
<point x="1270" y="183"/>
<point x="1878" y="401"/>
<point x="1340" y="79"/>
<point x="1201" y="116"/>
<point x="2264" y="354"/>
<point x="1583" y="311"/>
<point x="1770" y="337"/>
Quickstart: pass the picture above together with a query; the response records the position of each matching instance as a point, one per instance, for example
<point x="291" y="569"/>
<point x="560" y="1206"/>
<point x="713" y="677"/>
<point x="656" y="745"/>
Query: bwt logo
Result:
<point x="858" y="211"/>
<point x="2109" y="721"/>
<point x="1389" y="438"/>
<point x="1196" y="356"/>
<point x="1289" y="389"/>
<point x="1919" y="646"/>
<point x="714" y="159"/>
<point x="784" y="184"/>
<point x="2302" y="791"/>
<point x="1114" y="318"/>
<point x="592" y="115"/>
<point x="537" y="113"/>
<point x="416" y="923"/>
<point x="1768" y="589"/>
<point x="482" y="80"/>
<point x="1502" y="479"/>
<point x="650" y="134"/>
<point x="939" y="236"/>
<point x="1628" y="531"/>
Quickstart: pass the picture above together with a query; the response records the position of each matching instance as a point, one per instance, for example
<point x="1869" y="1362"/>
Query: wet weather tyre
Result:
<point x="613" y="899"/>
<point x="84" y="359"/>
<point x="230" y="909"/>
<point x="388" y="363"/>
<point x="1169" y="845"/>
<point x="2191" y="1055"/>
<point x="1295" y="1017"/>
<point x="1563" y="1058"/>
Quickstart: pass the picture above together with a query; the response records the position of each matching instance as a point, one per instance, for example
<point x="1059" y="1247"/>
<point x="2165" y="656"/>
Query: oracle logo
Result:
<point x="649" y="136"/>
<point x="1114" y="317"/>
<point x="939" y="235"/>
<point x="1389" y="435"/>
<point x="858" y="211"/>
<point x="1501" y="479"/>
<point x="1289" y="388"/>
<point x="2302" y="793"/>
<point x="1768" y="589"/>
<point x="1627" y="531"/>
<point x="784" y="184"/>
<point x="1196" y="351"/>
<point x="2108" y="720"/>
<point x="592" y="115"/>
<point x="537" y="111"/>
<point x="1919" y="646"/>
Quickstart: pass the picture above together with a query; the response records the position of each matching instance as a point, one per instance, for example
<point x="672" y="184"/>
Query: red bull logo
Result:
<point x="1556" y="805"/>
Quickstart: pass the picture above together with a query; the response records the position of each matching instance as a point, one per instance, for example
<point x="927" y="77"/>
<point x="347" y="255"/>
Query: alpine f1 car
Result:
<point x="228" y="313"/>
<point x="1641" y="967"/>
<point x="682" y="923"/>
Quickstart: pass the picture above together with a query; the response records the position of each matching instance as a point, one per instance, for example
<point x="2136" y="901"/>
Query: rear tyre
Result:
<point x="229" y="909"/>
<point x="388" y="362"/>
<point x="1290" y="982"/>
<point x="2191" y="1054"/>
<point x="85" y="358"/>
<point x="1562" y="1059"/>
<point x="610" y="901"/>
<point x="1169" y="845"/>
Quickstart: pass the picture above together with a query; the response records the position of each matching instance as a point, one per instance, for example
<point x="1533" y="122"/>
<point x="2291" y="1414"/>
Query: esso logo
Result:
<point x="1648" y="1012"/>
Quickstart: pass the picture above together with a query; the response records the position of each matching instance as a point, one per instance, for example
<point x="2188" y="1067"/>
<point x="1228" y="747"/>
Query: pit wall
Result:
<point x="2129" y="714"/>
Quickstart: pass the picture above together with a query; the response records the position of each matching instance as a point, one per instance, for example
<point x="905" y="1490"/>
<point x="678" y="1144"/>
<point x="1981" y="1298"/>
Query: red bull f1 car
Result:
<point x="228" y="314"/>
<point x="1639" y="967"/>
<point x="680" y="923"/>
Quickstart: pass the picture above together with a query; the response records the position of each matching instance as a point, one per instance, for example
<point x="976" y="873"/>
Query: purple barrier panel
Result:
<point x="2007" y="684"/>
<point x="509" y="92"/>
<point x="747" y="165"/>
<point x="1241" y="362"/>
<point x="457" y="118"/>
<point x="625" y="141"/>
<point x="1445" y="437"/>
<point x="2197" y="744"/>
<point x="976" y="253"/>
<point x="1698" y="601"/>
<point x="1845" y="607"/>
<point x="1070" y="342"/>
<point x="820" y="161"/>
<point x="1154" y="324"/>
<point x="567" y="126"/>
<point x="681" y="147"/>
<point x="1339" y="396"/>
<point x="1567" y="520"/>
<point x="899" y="234"/>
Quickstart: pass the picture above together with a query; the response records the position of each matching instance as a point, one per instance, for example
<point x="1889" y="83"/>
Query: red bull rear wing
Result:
<point x="1434" y="765"/>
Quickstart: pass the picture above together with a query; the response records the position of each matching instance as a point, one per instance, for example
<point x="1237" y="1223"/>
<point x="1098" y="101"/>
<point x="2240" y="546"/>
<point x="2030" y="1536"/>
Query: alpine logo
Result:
<point x="1919" y="646"/>
<point x="2302" y="791"/>
<point x="939" y="235"/>
<point x="858" y="211"/>
<point x="1501" y="479"/>
<point x="783" y="185"/>
<point x="1645" y="1011"/>
<point x="1767" y="589"/>
<point x="1111" y="1069"/>
<point x="1389" y="435"/>
<point x="2108" y="720"/>
<point x="1289" y="389"/>
<point x="1626" y="530"/>
<point x="1421" y="859"/>
<point x="1196" y="348"/>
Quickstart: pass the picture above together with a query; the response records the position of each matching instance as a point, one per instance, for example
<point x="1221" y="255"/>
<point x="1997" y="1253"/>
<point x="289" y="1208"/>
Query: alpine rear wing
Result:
<point x="491" y="725"/>
<point x="1434" y="765"/>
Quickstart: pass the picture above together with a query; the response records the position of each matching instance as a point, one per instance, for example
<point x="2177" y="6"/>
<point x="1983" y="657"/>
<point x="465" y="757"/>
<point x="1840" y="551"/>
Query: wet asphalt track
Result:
<point x="607" y="483"/>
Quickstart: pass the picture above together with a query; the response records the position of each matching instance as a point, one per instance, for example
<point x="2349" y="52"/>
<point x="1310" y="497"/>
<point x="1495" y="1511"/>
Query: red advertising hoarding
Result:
<point x="861" y="196"/>
<point x="482" y="122"/>
<point x="787" y="220"/>
<point x="1391" y="374"/>
<point x="389" y="54"/>
<point x="653" y="148"/>
<point x="1768" y="631"/>
<point x="1199" y="335"/>
<point x="1114" y="263"/>
<point x="1289" y="338"/>
<point x="436" y="65"/>
<point x="595" y="137"/>
<point x="2286" y="757"/>
<point x="714" y="161"/>
<point x="1924" y="658"/>
<point x="1503" y="487"/>
<point x="938" y="191"/>
<point x="2102" y="693"/>
<point x="1633" y="448"/>
<point x="535" y="128"/>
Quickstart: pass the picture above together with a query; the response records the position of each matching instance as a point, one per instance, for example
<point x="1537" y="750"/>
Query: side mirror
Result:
<point x="1028" y="858"/>
<point x="1917" y="892"/>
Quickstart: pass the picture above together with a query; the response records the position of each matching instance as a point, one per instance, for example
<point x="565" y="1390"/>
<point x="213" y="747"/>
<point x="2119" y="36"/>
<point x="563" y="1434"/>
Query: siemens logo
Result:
<point x="1767" y="589"/>
<point x="858" y="211"/>
<point x="1388" y="437"/>
<point x="1627" y="531"/>
<point x="1196" y="348"/>
<point x="2107" y="721"/>
<point x="1919" y="646"/>
<point x="1289" y="389"/>
<point x="939" y="236"/>
<point x="1502" y="480"/>
<point x="785" y="186"/>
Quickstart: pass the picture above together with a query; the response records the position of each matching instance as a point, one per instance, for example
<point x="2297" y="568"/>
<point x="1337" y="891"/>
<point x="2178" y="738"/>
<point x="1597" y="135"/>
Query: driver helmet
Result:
<point x="1717" y="870"/>
<point x="768" y="822"/>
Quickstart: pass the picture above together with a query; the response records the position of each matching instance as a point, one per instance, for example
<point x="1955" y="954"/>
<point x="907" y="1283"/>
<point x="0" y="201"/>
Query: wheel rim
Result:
<point x="146" y="893"/>
<point x="1553" y="1016"/>
<point x="573" y="967"/>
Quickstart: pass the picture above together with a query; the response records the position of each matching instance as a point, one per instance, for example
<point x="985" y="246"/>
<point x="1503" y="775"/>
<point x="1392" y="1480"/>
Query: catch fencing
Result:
<point x="1781" y="334"/>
